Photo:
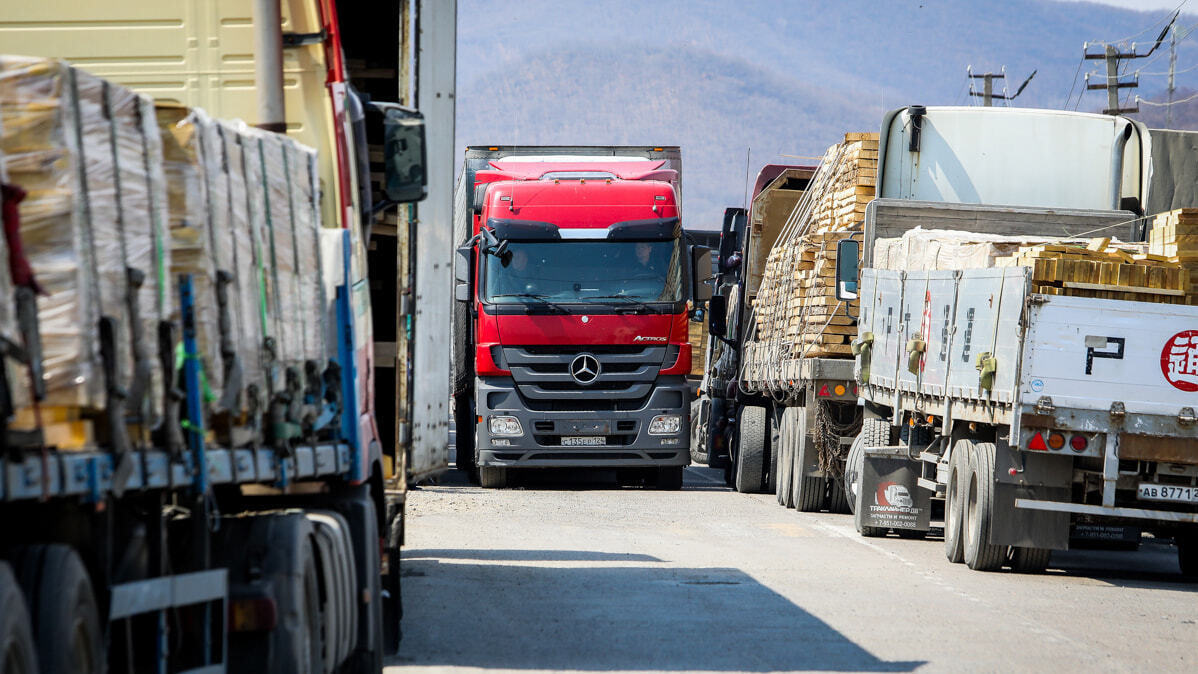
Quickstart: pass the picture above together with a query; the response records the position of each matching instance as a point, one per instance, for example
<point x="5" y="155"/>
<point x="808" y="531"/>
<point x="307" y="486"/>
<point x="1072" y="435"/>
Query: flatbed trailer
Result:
<point x="1026" y="413"/>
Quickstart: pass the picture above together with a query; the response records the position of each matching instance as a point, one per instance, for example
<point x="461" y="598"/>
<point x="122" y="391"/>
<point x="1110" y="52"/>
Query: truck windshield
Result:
<point x="585" y="271"/>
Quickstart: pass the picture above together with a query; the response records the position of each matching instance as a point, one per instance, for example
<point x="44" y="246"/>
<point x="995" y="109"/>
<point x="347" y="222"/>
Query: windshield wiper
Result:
<point x="544" y="299"/>
<point x="631" y="300"/>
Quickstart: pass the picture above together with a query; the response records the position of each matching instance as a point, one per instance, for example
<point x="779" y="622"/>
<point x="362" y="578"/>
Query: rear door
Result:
<point x="1088" y="353"/>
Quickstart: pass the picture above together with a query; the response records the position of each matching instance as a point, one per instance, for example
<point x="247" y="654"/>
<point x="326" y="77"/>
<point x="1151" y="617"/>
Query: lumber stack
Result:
<point x="1100" y="270"/>
<point x="1174" y="235"/>
<point x="797" y="311"/>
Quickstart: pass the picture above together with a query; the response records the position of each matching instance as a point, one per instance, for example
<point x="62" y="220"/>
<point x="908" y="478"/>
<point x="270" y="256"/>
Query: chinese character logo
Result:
<point x="1179" y="360"/>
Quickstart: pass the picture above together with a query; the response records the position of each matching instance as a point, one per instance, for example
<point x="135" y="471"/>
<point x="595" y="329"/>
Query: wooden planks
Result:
<point x="1174" y="236"/>
<point x="1097" y="269"/>
<point x="796" y="308"/>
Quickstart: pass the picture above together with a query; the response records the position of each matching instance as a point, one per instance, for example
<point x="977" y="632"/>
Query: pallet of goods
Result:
<point x="87" y="157"/>
<point x="796" y="309"/>
<point x="1174" y="236"/>
<point x="1074" y="267"/>
<point x="1100" y="270"/>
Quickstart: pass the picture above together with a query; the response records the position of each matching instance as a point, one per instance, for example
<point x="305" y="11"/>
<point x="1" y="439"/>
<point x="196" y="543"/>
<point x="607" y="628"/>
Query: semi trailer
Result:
<point x="574" y="288"/>
<point x="196" y="480"/>
<point x="1040" y="396"/>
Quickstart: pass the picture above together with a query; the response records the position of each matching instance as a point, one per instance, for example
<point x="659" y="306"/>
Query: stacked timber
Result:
<point x="796" y="309"/>
<point x="1099" y="270"/>
<point x="87" y="154"/>
<point x="1174" y="235"/>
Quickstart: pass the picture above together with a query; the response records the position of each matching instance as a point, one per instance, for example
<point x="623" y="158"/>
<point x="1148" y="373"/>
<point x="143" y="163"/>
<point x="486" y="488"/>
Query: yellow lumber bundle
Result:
<point x="1098" y="270"/>
<point x="796" y="309"/>
<point x="1174" y="235"/>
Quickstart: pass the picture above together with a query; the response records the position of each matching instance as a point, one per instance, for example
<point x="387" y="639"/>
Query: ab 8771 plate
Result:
<point x="1168" y="492"/>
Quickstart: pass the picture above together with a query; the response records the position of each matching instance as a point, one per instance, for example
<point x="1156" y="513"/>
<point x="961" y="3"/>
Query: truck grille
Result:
<point x="542" y="373"/>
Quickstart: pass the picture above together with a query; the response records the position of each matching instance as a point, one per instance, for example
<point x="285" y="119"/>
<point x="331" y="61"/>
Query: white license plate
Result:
<point x="583" y="440"/>
<point x="1168" y="492"/>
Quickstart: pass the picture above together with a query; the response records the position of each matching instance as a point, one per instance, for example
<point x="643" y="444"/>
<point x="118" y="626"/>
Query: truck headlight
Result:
<point x="665" y="424"/>
<point x="505" y="426"/>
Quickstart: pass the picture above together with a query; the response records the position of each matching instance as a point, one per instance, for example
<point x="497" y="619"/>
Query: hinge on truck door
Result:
<point x="1118" y="411"/>
<point x="1044" y="405"/>
<point x="1186" y="416"/>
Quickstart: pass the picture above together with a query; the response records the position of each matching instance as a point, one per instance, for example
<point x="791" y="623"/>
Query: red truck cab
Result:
<point x="579" y="283"/>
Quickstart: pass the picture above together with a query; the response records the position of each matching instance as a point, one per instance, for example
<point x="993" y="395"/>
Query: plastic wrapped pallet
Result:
<point x="17" y="376"/>
<point x="87" y="152"/>
<point x="932" y="249"/>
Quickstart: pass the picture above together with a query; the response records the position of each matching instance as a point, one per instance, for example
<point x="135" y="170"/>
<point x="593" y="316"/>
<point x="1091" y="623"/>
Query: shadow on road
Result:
<point x="697" y="478"/>
<point x="509" y="616"/>
<point x="529" y="555"/>
<point x="1153" y="566"/>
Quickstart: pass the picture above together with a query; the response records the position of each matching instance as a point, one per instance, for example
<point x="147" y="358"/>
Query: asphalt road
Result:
<point x="579" y="574"/>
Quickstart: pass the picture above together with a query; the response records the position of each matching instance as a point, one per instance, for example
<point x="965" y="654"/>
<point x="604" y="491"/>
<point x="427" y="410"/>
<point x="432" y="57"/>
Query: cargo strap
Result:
<point x="863" y="348"/>
<point x="986" y="366"/>
<point x="915" y="350"/>
<point x="18" y="265"/>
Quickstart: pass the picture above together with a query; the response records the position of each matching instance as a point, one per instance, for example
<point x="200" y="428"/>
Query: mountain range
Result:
<point x="741" y="84"/>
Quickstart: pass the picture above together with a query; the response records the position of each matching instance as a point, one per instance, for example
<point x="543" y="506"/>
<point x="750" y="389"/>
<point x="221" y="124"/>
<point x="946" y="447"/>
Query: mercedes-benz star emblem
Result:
<point x="585" y="369"/>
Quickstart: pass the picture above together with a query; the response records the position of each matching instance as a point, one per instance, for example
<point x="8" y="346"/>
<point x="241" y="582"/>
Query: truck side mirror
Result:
<point x="700" y="273"/>
<point x="403" y="154"/>
<point x="717" y="315"/>
<point x="461" y="273"/>
<point x="848" y="253"/>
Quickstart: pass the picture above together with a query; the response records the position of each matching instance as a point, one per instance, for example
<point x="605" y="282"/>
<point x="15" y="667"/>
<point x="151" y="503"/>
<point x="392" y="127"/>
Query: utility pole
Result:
<point x="987" y="94"/>
<point x="1172" y="67"/>
<point x="1113" y="83"/>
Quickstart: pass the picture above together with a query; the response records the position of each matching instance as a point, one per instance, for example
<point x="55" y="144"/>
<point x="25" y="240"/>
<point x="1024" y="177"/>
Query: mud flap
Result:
<point x="888" y="496"/>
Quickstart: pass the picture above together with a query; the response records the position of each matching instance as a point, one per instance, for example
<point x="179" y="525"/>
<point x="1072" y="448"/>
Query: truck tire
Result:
<point x="852" y="472"/>
<point x="65" y="617"/>
<point x="771" y="450"/>
<point x="1187" y="553"/>
<point x="809" y="491"/>
<point x="751" y="454"/>
<point x="954" y="500"/>
<point x="669" y="478"/>
<point x="492" y="477"/>
<point x="980" y="553"/>
<point x="838" y="500"/>
<point x="18" y="655"/>
<point x="782" y="450"/>
<point x="1030" y="560"/>
<point x="465" y="427"/>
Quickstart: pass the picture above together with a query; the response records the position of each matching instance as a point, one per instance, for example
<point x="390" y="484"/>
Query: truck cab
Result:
<point x="578" y="283"/>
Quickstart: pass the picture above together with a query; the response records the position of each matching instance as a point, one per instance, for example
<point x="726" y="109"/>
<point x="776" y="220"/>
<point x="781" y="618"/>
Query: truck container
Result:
<point x="192" y="441"/>
<point x="574" y="288"/>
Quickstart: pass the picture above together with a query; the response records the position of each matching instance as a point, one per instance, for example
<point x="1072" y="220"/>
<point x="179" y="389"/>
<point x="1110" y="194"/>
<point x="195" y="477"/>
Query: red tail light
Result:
<point x="1037" y="442"/>
<point x="1079" y="443"/>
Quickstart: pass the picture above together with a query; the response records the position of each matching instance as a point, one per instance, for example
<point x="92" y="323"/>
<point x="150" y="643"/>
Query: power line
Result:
<point x="987" y="94"/>
<point x="1156" y="104"/>
<point x="1115" y="79"/>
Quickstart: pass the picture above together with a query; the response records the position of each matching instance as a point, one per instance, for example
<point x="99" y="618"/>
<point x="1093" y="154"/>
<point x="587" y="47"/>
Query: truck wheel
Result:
<point x="809" y="491"/>
<point x="750" y="457"/>
<point x="838" y="501"/>
<point x="1187" y="553"/>
<point x="954" y="499"/>
<point x="1030" y="560"/>
<point x="17" y="652"/>
<point x="67" y="623"/>
<point x="980" y="553"/>
<point x="852" y="472"/>
<point x="465" y="427"/>
<point x="492" y="477"/>
<point x="782" y="452"/>
<point x="669" y="478"/>
<point x="771" y="450"/>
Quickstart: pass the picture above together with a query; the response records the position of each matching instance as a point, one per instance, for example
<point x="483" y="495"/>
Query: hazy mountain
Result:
<point x="783" y="78"/>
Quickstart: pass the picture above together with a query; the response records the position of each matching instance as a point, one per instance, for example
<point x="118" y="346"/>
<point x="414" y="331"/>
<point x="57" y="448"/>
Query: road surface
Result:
<point x="584" y="575"/>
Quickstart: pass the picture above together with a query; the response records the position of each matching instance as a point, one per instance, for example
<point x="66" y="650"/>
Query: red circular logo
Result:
<point x="1179" y="360"/>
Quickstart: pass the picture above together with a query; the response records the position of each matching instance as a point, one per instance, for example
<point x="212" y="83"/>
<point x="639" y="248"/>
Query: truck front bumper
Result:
<point x="544" y="432"/>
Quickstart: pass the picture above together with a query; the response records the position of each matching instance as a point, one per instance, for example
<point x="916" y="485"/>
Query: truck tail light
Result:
<point x="1079" y="443"/>
<point x="1037" y="443"/>
<point x="253" y="614"/>
<point x="1056" y="440"/>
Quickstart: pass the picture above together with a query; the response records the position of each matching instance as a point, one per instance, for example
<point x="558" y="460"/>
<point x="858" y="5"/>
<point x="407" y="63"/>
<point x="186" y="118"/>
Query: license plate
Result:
<point x="583" y="440"/>
<point x="1168" y="492"/>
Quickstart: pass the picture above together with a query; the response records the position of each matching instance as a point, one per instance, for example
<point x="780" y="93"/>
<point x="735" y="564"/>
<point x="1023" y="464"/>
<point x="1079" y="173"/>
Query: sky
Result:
<point x="1139" y="4"/>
